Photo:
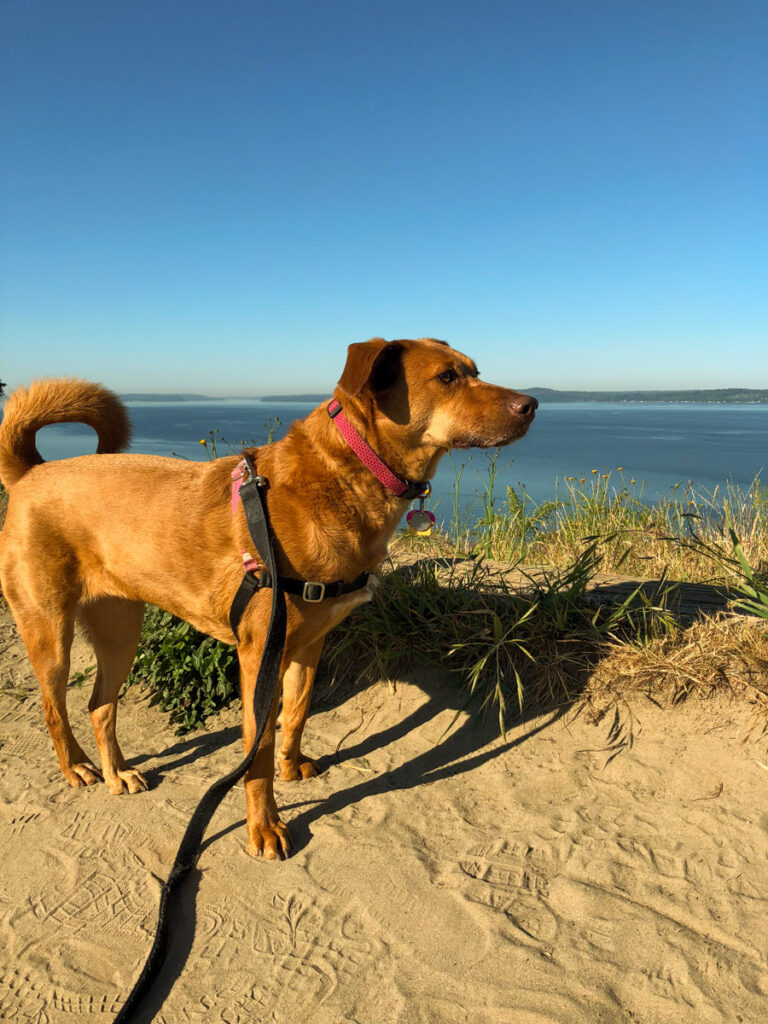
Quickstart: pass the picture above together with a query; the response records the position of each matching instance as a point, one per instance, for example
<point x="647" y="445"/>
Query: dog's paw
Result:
<point x="82" y="774"/>
<point x="272" y="842"/>
<point x="127" y="780"/>
<point x="295" y="770"/>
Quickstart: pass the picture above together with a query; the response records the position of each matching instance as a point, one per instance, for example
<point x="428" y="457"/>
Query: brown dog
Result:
<point x="97" y="536"/>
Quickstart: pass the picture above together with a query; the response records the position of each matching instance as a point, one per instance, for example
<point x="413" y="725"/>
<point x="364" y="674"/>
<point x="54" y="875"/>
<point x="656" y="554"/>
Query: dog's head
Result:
<point x="424" y="393"/>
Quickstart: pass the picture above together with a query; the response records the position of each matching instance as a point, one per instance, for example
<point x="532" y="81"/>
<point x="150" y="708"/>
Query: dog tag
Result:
<point x="420" y="521"/>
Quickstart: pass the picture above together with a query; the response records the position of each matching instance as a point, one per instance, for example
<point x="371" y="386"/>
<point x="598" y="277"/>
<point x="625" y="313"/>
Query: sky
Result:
<point x="219" y="196"/>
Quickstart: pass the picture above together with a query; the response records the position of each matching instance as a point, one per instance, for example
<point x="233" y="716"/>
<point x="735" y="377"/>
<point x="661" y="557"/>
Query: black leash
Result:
<point x="263" y="695"/>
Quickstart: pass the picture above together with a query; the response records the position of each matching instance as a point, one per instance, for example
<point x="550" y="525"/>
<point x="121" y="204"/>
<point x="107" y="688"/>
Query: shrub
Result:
<point x="190" y="675"/>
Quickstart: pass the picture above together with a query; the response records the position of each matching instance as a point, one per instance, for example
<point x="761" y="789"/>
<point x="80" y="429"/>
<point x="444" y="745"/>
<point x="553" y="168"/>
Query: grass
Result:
<point x="644" y="539"/>
<point x="508" y="646"/>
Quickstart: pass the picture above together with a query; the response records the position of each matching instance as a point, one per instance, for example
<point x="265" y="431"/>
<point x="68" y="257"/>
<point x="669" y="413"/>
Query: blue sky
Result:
<point x="220" y="196"/>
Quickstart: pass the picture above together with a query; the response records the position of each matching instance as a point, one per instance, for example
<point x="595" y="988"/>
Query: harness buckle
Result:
<point x="313" y="593"/>
<point x="246" y="472"/>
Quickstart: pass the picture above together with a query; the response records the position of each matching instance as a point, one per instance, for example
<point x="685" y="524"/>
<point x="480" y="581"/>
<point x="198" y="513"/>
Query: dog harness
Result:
<point x="255" y="574"/>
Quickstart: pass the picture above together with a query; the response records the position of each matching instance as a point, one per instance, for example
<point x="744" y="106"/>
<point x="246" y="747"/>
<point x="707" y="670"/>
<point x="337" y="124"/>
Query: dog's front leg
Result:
<point x="297" y="691"/>
<point x="268" y="836"/>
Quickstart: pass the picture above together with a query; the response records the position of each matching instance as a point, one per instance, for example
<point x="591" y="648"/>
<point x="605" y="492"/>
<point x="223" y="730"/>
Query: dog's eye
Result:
<point x="447" y="376"/>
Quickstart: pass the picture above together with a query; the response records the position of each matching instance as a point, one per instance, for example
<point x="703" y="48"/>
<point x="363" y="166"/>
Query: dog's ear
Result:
<point x="375" y="362"/>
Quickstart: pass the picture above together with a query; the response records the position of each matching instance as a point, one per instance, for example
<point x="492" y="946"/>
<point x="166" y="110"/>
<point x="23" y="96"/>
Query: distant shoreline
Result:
<point x="718" y="396"/>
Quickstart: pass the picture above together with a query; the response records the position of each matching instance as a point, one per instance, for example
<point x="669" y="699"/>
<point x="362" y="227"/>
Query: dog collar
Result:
<point x="408" y="489"/>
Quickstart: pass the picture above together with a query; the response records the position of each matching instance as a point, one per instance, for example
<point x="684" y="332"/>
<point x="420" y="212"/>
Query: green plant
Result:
<point x="749" y="584"/>
<point x="190" y="675"/>
<point x="78" y="678"/>
<point x="509" y="646"/>
<point x="753" y="587"/>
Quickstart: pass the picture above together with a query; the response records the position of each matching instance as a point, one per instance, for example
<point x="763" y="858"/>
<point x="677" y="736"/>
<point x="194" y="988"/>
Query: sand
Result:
<point x="453" y="880"/>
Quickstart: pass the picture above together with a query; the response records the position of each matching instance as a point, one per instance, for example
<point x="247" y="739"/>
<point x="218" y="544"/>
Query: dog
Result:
<point x="96" y="537"/>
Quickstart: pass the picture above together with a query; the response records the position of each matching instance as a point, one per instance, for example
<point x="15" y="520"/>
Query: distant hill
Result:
<point x="729" y="396"/>
<point x="325" y="397"/>
<point x="166" y="398"/>
<point x="714" y="396"/>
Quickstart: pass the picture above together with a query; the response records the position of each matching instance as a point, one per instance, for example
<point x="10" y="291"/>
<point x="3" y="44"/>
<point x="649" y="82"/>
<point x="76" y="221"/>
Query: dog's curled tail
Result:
<point x="57" y="400"/>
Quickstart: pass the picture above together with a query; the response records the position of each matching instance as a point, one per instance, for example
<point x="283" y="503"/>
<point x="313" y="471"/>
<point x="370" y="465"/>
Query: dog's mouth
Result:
<point x="496" y="437"/>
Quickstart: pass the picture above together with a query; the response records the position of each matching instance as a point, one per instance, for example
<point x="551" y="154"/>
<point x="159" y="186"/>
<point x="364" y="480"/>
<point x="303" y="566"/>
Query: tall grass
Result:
<point x="510" y="646"/>
<point x="640" y="538"/>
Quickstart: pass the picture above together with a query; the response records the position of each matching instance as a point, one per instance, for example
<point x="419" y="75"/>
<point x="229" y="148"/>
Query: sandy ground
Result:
<point x="460" y="881"/>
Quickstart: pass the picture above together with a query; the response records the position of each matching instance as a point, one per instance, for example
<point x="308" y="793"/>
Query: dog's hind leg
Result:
<point x="297" y="691"/>
<point x="113" y="625"/>
<point x="47" y="634"/>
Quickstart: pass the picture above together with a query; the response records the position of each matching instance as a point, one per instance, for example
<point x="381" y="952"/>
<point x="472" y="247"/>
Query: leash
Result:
<point x="248" y="488"/>
<point x="251" y="493"/>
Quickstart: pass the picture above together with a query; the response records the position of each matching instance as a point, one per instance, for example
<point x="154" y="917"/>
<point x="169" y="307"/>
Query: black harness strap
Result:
<point x="263" y="695"/>
<point x="249" y="586"/>
<point x="315" y="592"/>
<point x="309" y="590"/>
<point x="253" y="580"/>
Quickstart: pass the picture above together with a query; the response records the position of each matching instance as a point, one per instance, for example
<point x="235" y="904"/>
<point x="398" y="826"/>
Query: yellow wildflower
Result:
<point x="203" y="441"/>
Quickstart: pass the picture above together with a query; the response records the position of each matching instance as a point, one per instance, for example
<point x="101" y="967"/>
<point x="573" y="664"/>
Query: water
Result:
<point x="658" y="445"/>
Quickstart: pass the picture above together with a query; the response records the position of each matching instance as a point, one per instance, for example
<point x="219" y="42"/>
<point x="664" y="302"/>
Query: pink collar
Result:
<point x="400" y="487"/>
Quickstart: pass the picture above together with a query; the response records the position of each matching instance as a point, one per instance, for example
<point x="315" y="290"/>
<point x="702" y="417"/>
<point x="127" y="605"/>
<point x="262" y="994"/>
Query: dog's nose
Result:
<point x="524" y="405"/>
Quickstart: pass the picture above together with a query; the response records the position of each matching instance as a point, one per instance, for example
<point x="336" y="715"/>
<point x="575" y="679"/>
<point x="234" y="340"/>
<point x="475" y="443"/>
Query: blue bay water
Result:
<point x="660" y="446"/>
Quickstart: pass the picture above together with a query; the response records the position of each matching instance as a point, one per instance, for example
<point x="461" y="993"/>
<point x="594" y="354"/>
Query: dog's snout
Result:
<point x="524" y="405"/>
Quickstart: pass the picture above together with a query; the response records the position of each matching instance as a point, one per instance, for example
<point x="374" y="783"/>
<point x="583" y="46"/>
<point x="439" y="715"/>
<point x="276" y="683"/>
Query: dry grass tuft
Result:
<point x="716" y="655"/>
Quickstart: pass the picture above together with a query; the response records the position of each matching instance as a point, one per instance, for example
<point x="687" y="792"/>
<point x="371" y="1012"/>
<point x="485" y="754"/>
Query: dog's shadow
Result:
<point x="471" y="742"/>
<point x="452" y="755"/>
<point x="467" y="746"/>
<point x="184" y="751"/>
